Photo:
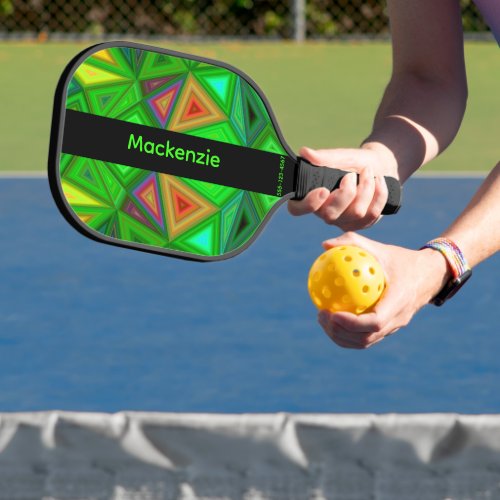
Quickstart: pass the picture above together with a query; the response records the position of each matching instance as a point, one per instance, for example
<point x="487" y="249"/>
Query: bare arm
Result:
<point x="424" y="102"/>
<point x="418" y="117"/>
<point x="477" y="230"/>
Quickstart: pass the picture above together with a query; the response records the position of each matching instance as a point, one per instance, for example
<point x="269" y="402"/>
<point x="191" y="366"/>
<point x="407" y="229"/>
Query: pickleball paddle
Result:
<point x="171" y="153"/>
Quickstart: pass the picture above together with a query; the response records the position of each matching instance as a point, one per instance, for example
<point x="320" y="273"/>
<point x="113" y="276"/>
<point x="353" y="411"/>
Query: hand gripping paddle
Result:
<point x="170" y="153"/>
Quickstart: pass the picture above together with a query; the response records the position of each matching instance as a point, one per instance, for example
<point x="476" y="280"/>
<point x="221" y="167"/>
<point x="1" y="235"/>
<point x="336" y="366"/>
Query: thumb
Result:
<point x="349" y="238"/>
<point x="340" y="157"/>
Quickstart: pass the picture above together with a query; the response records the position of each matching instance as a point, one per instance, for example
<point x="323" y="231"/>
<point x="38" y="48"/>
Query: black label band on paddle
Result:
<point x="175" y="153"/>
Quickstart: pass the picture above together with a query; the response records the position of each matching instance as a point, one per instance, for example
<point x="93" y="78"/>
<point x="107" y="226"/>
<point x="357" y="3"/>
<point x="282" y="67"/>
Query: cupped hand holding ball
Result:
<point x="368" y="292"/>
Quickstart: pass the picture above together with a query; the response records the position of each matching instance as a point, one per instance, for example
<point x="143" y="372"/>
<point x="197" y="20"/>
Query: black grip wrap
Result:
<point x="310" y="177"/>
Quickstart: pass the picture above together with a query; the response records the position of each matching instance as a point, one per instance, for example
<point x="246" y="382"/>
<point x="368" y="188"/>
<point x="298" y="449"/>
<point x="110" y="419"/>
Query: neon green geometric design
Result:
<point x="256" y="117"/>
<point x="202" y="239"/>
<point x="228" y="214"/>
<point x="155" y="65"/>
<point x="117" y="62"/>
<point x="133" y="230"/>
<point x="209" y="219"/>
<point x="237" y="116"/>
<point x="135" y="114"/>
<point x="220" y="82"/>
<point x="88" y="75"/>
<point x="129" y="99"/>
<point x="268" y="141"/>
<point x="64" y="161"/>
<point x="97" y="217"/>
<point x="102" y="99"/>
<point x="115" y="190"/>
<point x="78" y="102"/>
<point x="222" y="132"/>
<point x="217" y="194"/>
<point x="245" y="223"/>
<point x="73" y="87"/>
<point x="82" y="172"/>
<point x="124" y="174"/>
<point x="263" y="203"/>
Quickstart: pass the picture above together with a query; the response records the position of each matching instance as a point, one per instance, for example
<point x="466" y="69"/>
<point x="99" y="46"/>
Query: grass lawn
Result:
<point x="323" y="94"/>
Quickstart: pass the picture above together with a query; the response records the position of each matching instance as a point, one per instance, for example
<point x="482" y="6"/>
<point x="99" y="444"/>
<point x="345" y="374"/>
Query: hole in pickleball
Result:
<point x="356" y="273"/>
<point x="366" y="289"/>
<point x="339" y="281"/>
<point x="362" y="254"/>
<point x="327" y="293"/>
<point x="317" y="276"/>
<point x="317" y="300"/>
<point x="348" y="258"/>
<point x="330" y="268"/>
<point x="372" y="270"/>
<point x="379" y="288"/>
<point x="360" y="309"/>
<point x="346" y="299"/>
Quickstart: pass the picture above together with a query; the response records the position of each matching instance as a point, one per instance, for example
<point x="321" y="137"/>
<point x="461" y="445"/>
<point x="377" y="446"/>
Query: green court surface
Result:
<point x="323" y="94"/>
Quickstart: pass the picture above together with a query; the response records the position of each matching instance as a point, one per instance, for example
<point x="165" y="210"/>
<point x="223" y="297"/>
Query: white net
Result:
<point x="154" y="456"/>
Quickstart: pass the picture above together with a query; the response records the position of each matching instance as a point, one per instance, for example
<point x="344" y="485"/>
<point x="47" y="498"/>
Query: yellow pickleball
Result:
<point x="346" y="278"/>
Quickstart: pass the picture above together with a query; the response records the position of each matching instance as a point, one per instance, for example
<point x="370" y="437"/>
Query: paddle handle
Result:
<point x="310" y="177"/>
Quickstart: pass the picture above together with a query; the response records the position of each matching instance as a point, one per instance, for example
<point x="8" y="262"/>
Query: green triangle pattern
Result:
<point x="263" y="203"/>
<point x="228" y="214"/>
<point x="155" y="65"/>
<point x="139" y="77"/>
<point x="222" y="132"/>
<point x="131" y="98"/>
<point x="220" y="83"/>
<point x="102" y="100"/>
<point x="78" y="102"/>
<point x="245" y="223"/>
<point x="83" y="173"/>
<point x="202" y="240"/>
<point x="217" y="194"/>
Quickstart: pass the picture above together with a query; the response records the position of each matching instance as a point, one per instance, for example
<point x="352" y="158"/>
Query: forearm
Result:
<point x="416" y="120"/>
<point x="424" y="103"/>
<point x="477" y="230"/>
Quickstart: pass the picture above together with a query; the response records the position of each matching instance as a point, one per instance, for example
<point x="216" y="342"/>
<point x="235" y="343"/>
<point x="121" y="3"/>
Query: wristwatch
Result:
<point x="460" y="270"/>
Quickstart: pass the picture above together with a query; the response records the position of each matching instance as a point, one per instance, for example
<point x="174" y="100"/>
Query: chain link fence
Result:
<point x="286" y="19"/>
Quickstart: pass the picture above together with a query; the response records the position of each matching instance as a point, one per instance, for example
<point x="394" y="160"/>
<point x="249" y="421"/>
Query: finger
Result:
<point x="365" y="191"/>
<point x="353" y="219"/>
<point x="338" y="334"/>
<point x="311" y="203"/>
<point x="338" y="201"/>
<point x="344" y="344"/>
<point x="380" y="196"/>
<point x="384" y="319"/>
<point x="341" y="340"/>
<point x="362" y="340"/>
<point x="348" y="238"/>
<point x="372" y="343"/>
<point x="364" y="324"/>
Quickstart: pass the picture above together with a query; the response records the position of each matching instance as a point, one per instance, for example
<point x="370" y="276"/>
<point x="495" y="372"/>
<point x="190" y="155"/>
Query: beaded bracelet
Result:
<point x="460" y="269"/>
<point x="452" y="254"/>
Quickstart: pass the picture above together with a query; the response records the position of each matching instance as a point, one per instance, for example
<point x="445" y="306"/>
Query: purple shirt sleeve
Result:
<point x="490" y="9"/>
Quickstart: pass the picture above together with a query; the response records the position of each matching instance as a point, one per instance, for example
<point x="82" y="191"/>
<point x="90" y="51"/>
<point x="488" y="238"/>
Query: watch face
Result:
<point x="451" y="288"/>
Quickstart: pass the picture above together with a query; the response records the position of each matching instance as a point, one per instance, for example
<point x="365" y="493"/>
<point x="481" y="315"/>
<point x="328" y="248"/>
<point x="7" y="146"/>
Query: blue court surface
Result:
<point x="91" y="327"/>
